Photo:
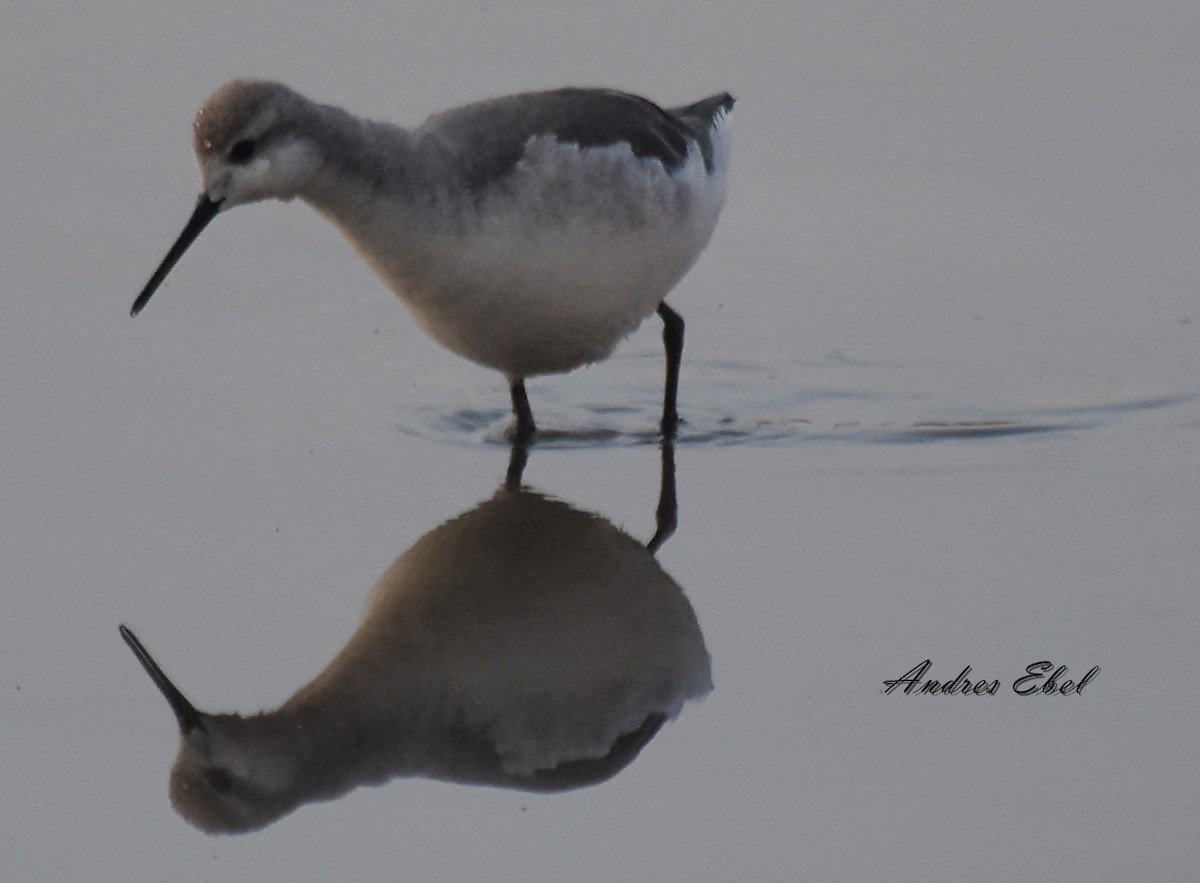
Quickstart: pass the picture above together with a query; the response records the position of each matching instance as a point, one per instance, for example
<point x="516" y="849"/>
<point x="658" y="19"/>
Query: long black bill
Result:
<point x="206" y="209"/>
<point x="187" y="715"/>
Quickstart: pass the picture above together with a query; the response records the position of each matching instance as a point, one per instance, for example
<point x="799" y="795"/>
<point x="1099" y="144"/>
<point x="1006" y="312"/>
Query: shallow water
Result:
<point x="739" y="403"/>
<point x="940" y="392"/>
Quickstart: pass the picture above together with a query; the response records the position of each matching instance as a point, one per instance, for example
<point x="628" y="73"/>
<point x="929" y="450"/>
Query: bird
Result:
<point x="523" y="644"/>
<point x="529" y="233"/>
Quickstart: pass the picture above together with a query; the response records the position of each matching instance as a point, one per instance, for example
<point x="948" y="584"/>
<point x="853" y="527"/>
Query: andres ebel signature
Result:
<point x="1040" y="679"/>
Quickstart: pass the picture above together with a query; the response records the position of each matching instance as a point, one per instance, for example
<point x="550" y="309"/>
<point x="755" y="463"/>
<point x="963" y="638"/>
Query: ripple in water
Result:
<point x="741" y="403"/>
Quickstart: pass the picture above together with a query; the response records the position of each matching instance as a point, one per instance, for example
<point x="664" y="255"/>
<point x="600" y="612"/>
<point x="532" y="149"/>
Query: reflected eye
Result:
<point x="242" y="151"/>
<point x="219" y="780"/>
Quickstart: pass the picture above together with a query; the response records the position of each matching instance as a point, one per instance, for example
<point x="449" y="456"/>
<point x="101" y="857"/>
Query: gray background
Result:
<point x="941" y="377"/>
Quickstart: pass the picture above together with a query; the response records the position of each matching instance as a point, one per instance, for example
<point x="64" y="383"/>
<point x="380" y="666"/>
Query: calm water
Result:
<point x="941" y="389"/>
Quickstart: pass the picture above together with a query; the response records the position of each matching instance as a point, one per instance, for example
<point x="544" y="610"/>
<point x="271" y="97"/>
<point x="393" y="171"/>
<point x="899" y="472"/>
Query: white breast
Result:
<point x="551" y="267"/>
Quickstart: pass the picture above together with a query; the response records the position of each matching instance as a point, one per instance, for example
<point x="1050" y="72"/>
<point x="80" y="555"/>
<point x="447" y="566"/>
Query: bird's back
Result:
<point x="492" y="135"/>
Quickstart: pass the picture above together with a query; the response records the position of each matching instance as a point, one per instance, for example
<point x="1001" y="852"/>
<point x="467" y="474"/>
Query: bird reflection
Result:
<point x="523" y="644"/>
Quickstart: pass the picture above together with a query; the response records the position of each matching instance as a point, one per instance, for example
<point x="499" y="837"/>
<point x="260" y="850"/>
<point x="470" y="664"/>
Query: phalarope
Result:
<point x="529" y="233"/>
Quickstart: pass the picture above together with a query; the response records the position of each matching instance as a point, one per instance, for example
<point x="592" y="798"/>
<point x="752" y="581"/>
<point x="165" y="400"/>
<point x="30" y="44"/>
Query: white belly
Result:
<point x="553" y="267"/>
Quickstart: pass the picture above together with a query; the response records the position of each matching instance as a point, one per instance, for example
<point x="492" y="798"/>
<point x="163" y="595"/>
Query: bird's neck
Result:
<point x="335" y="746"/>
<point x="383" y="717"/>
<point x="371" y="169"/>
<point x="385" y="187"/>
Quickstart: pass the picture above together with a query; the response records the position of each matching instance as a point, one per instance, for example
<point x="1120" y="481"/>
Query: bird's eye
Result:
<point x="219" y="780"/>
<point x="242" y="151"/>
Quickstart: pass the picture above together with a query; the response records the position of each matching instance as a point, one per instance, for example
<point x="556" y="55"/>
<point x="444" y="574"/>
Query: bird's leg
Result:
<point x="673" y="343"/>
<point x="520" y="403"/>
<point x="667" y="516"/>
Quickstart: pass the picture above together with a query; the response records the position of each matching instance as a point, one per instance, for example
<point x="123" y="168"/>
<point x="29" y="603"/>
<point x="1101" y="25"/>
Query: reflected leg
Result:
<point x="666" y="518"/>
<point x="517" y="458"/>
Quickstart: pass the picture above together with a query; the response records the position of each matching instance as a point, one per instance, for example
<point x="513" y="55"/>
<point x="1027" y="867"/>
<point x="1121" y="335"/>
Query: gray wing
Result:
<point x="489" y="137"/>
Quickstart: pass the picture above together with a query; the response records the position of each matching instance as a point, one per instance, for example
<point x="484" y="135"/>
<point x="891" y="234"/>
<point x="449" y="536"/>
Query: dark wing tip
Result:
<point x="706" y="109"/>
